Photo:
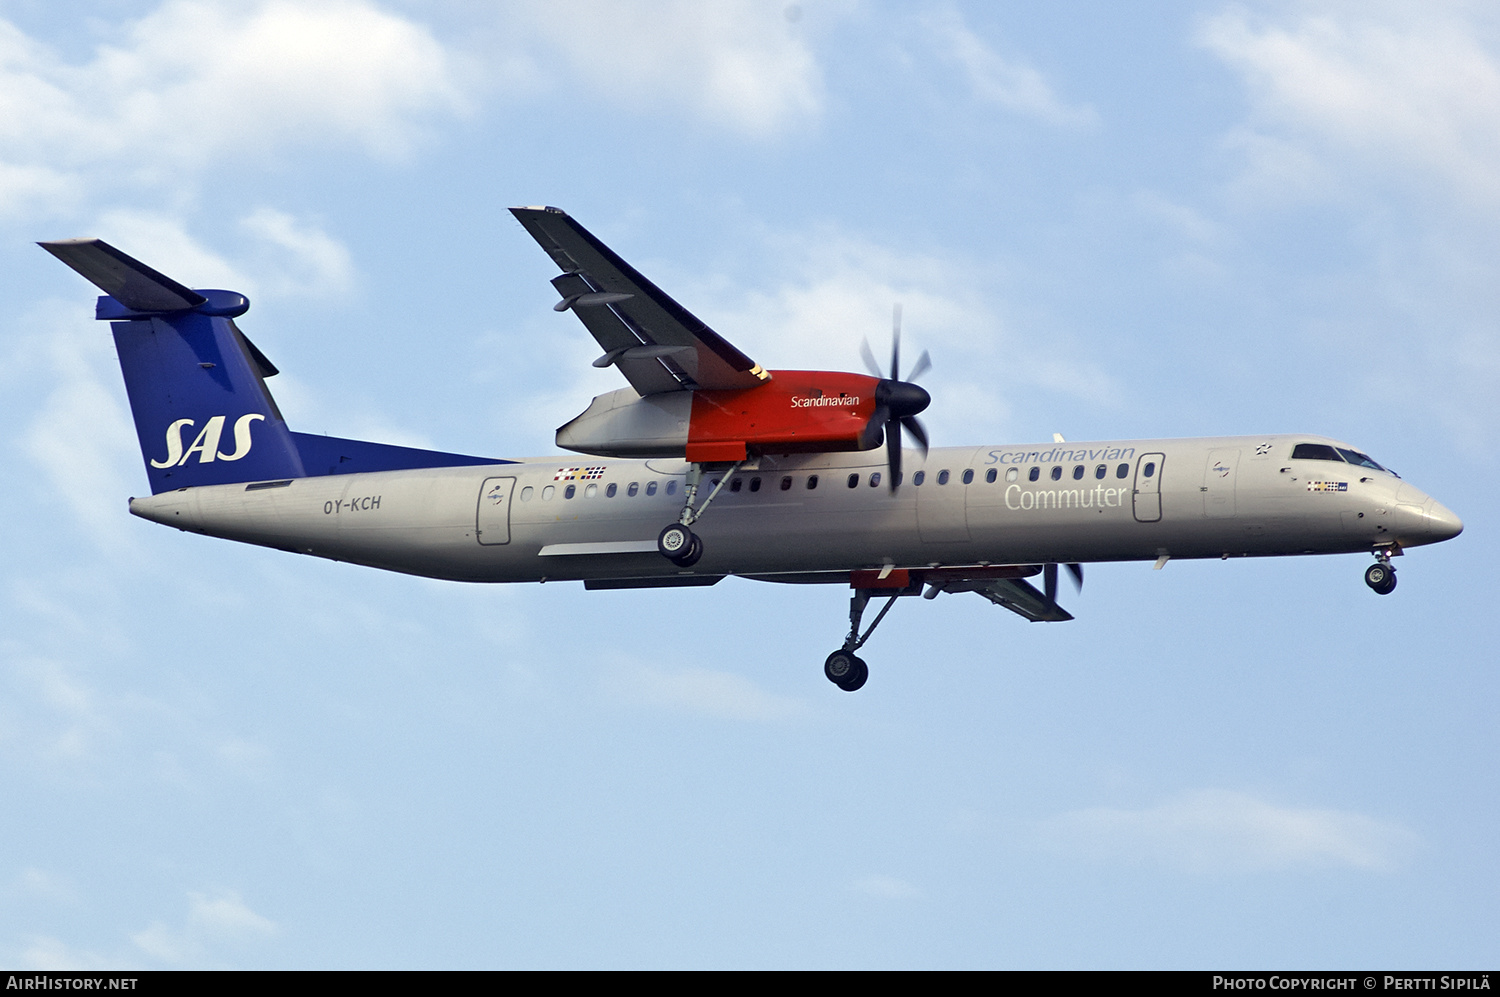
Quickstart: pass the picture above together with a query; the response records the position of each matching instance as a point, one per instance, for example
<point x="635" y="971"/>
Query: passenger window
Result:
<point x="570" y="491"/>
<point x="969" y="476"/>
<point x="943" y="477"/>
<point x="1077" y="472"/>
<point x="1123" y="471"/>
<point x="650" y="488"/>
<point x="1057" y="474"/>
<point x="853" y="481"/>
<point x="755" y="484"/>
<point x="874" y="479"/>
<point x="1149" y="469"/>
<point x="1100" y="472"/>
<point x="991" y="474"/>
<point x="610" y="491"/>
<point x="630" y="492"/>
<point x="918" y="478"/>
<point x="1013" y="473"/>
<point x="590" y="490"/>
<point x="672" y="487"/>
<point x="786" y="483"/>
<point x="526" y="493"/>
<point x="812" y="482"/>
<point x="1036" y="473"/>
<point x="736" y="485"/>
<point x="547" y="493"/>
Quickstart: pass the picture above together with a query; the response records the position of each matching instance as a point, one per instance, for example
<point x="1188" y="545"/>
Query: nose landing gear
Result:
<point x="1380" y="576"/>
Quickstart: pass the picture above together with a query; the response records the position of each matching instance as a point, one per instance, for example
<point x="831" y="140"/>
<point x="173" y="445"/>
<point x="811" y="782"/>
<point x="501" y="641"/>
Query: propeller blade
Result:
<point x="868" y="355"/>
<point x="1076" y="570"/>
<point x="893" y="455"/>
<point x="896" y="341"/>
<point x="1049" y="582"/>
<point x="912" y="426"/>
<point x="924" y="364"/>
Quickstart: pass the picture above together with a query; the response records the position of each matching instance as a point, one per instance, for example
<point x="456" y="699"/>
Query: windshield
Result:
<point x="1322" y="451"/>
<point x="1360" y="460"/>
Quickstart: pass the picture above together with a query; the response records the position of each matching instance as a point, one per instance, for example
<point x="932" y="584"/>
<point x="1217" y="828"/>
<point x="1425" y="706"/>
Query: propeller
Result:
<point x="897" y="402"/>
<point x="1049" y="580"/>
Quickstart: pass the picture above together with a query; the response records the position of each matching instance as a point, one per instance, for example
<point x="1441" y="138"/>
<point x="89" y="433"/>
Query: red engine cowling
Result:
<point x="797" y="411"/>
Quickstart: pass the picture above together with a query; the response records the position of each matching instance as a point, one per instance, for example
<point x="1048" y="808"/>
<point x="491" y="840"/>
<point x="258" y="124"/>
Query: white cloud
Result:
<point x="197" y="80"/>
<point x="1222" y="831"/>
<point x="1379" y="86"/>
<point x="740" y="63"/>
<point x="162" y="242"/>
<point x="213" y="923"/>
<point x="80" y="435"/>
<point x="840" y="290"/>
<point x="309" y="260"/>
<point x="1007" y="83"/>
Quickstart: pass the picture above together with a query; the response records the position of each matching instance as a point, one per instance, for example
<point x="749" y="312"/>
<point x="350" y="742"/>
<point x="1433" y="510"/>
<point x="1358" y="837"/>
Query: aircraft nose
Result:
<point x="1442" y="524"/>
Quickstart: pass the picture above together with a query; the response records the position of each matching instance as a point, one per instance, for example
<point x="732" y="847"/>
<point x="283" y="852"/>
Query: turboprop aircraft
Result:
<point x="708" y="465"/>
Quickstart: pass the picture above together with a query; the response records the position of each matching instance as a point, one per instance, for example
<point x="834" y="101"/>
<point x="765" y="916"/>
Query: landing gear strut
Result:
<point x="844" y="668"/>
<point x="677" y="542"/>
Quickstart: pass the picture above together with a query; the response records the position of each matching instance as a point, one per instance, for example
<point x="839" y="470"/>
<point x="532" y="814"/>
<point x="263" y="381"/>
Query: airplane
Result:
<point x="707" y="465"/>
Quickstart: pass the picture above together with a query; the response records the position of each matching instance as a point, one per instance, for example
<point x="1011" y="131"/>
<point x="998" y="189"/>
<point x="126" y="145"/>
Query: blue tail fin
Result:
<point x="197" y="385"/>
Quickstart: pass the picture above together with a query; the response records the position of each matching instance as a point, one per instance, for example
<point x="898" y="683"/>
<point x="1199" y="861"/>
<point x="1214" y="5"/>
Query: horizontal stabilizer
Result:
<point x="127" y="280"/>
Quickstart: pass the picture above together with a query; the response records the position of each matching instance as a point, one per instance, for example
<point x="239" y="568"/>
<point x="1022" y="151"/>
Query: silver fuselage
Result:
<point x="1230" y="496"/>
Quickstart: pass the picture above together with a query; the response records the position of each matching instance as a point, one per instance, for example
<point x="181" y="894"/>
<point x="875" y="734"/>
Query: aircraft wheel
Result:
<point x="694" y="552"/>
<point x="1381" y="577"/>
<point x="846" y="670"/>
<point x="857" y="680"/>
<point x="675" y="541"/>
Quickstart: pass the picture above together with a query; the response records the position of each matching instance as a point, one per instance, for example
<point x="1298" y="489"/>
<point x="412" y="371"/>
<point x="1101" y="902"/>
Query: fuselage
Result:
<point x="814" y="516"/>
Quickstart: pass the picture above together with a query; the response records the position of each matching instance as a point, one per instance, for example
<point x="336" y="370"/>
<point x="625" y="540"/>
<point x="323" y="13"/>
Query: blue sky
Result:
<point x="1203" y="219"/>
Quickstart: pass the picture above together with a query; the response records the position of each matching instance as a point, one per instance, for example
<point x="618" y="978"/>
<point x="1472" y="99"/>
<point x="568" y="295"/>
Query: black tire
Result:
<point x="1389" y="586"/>
<point x="856" y="681"/>
<point x="674" y="541"/>
<point x="1381" y="577"/>
<point x="840" y="667"/>
<point x="694" y="552"/>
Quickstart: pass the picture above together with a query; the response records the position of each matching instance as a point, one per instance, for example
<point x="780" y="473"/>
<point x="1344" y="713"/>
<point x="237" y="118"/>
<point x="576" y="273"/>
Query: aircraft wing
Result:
<point x="1015" y="594"/>
<point x="657" y="344"/>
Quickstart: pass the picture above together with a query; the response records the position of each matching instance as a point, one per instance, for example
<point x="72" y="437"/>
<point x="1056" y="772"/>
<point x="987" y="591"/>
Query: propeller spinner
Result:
<point x="897" y="402"/>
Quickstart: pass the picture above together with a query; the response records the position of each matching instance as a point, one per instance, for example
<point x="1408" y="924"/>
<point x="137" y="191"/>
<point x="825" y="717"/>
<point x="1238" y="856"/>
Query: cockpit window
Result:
<point x="1315" y="451"/>
<point x="1358" y="459"/>
<point x="1322" y="451"/>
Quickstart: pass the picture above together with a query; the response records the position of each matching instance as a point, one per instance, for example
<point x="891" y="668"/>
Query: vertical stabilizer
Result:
<point x="196" y="384"/>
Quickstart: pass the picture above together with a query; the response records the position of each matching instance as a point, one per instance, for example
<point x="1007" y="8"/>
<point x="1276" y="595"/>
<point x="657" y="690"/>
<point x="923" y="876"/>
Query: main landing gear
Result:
<point x="1380" y="576"/>
<point x="677" y="542"/>
<point x="844" y="668"/>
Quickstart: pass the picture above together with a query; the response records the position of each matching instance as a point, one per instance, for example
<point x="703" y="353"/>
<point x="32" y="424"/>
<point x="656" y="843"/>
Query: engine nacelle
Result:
<point x="625" y="424"/>
<point x="796" y="411"/>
